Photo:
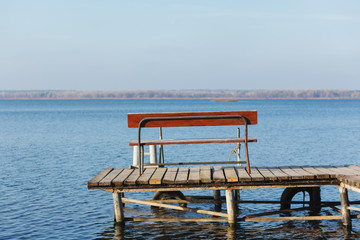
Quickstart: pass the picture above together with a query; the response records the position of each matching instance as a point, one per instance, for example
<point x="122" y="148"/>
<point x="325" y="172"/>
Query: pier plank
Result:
<point x="218" y="174"/>
<point x="318" y="174"/>
<point x="157" y="177"/>
<point x="119" y="180"/>
<point x="242" y="174"/>
<point x="281" y="175"/>
<point x="256" y="175"/>
<point x="170" y="175"/>
<point x="205" y="174"/>
<point x="182" y="176"/>
<point x="345" y="171"/>
<point x="107" y="180"/>
<point x="268" y="175"/>
<point x="305" y="174"/>
<point x="327" y="170"/>
<point x="293" y="174"/>
<point x="194" y="175"/>
<point x="94" y="182"/>
<point x="131" y="180"/>
<point x="355" y="167"/>
<point x="230" y="174"/>
<point x="145" y="177"/>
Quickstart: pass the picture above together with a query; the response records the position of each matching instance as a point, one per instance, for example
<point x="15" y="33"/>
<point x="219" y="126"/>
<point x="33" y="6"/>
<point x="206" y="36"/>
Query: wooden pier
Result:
<point x="230" y="179"/>
<point x="170" y="182"/>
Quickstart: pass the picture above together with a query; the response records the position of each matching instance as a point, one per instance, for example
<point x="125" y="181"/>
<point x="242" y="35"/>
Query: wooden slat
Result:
<point x="327" y="170"/>
<point x="242" y="174"/>
<point x="94" y="182"/>
<point x="135" y="118"/>
<point x="205" y="174"/>
<point x="218" y="174"/>
<point x="145" y="177"/>
<point x="230" y="174"/>
<point x="194" y="175"/>
<point x="355" y="167"/>
<point x="131" y="180"/>
<point x="319" y="174"/>
<point x="190" y="141"/>
<point x="107" y="181"/>
<point x="293" y="174"/>
<point x="281" y="176"/>
<point x="157" y="177"/>
<point x="119" y="180"/>
<point x="305" y="174"/>
<point x="170" y="175"/>
<point x="268" y="175"/>
<point x="256" y="175"/>
<point x="182" y="176"/>
<point x="345" y="171"/>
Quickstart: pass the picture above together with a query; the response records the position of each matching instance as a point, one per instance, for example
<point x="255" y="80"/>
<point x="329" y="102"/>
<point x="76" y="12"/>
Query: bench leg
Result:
<point x="344" y="207"/>
<point x="118" y="208"/>
<point x="230" y="205"/>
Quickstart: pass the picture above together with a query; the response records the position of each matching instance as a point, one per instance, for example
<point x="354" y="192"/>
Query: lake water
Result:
<point x="50" y="149"/>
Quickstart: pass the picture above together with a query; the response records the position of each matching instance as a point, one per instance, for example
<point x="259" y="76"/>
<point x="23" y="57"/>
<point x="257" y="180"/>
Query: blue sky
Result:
<point x="177" y="45"/>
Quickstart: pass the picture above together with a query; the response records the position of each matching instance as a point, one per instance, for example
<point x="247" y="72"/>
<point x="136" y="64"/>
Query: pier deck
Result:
<point x="217" y="177"/>
<point x="228" y="178"/>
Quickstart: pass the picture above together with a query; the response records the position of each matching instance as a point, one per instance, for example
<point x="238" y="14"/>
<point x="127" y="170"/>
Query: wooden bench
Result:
<point x="188" y="119"/>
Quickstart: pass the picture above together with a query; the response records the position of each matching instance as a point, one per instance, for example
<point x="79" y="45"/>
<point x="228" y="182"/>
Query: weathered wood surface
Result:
<point x="194" y="175"/>
<point x="230" y="174"/>
<point x="107" y="180"/>
<point x="135" y="118"/>
<point x="218" y="174"/>
<point x="351" y="180"/>
<point x="170" y="175"/>
<point x="119" y="179"/>
<point x="94" y="182"/>
<point x="205" y="174"/>
<point x="131" y="180"/>
<point x="190" y="141"/>
<point x="157" y="177"/>
<point x="145" y="177"/>
<point x="225" y="176"/>
<point x="182" y="176"/>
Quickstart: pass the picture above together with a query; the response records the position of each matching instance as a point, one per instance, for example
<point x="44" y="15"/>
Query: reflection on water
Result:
<point x="192" y="230"/>
<point x="328" y="229"/>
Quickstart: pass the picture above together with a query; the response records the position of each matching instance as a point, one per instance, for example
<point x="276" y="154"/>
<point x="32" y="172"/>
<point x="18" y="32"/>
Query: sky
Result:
<point x="179" y="44"/>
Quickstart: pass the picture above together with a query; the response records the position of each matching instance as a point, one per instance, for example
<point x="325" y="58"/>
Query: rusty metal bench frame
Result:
<point x="192" y="119"/>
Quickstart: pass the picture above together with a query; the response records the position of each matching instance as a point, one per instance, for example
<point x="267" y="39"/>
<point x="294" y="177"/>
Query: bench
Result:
<point x="187" y="119"/>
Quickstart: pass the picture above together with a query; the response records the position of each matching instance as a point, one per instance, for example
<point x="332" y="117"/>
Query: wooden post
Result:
<point x="217" y="200"/>
<point x="237" y="194"/>
<point x="230" y="205"/>
<point x="344" y="206"/>
<point x="118" y="208"/>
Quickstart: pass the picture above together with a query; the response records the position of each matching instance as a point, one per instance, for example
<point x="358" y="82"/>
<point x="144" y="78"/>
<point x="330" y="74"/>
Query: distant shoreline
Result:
<point x="215" y="95"/>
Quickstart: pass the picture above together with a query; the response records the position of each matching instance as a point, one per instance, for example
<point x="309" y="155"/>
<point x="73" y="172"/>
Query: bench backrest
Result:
<point x="135" y="118"/>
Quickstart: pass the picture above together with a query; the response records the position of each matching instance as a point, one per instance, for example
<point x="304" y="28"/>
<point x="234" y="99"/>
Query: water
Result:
<point x="50" y="149"/>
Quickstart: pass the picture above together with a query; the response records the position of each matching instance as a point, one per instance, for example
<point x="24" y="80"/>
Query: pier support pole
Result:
<point x="217" y="200"/>
<point x="230" y="205"/>
<point x="344" y="207"/>
<point x="118" y="208"/>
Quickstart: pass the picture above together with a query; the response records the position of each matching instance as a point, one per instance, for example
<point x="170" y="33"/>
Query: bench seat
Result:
<point x="190" y="141"/>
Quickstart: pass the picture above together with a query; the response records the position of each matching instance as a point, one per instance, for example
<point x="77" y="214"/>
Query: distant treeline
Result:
<point x="184" y="94"/>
